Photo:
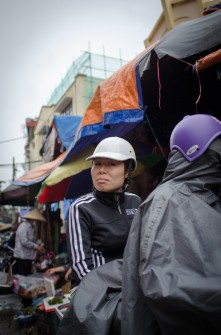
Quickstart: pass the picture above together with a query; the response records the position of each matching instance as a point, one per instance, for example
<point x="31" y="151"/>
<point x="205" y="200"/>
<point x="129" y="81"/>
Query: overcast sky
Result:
<point x="40" y="40"/>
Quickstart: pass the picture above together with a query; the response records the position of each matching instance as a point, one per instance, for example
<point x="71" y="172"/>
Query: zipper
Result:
<point x="117" y="196"/>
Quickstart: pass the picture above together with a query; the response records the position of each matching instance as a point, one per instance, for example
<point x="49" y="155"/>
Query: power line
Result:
<point x="9" y="165"/>
<point x="13" y="139"/>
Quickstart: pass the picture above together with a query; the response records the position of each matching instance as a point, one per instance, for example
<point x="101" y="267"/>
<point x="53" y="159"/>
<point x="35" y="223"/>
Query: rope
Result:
<point x="159" y="82"/>
<point x="194" y="69"/>
<point x="154" y="134"/>
<point x="159" y="100"/>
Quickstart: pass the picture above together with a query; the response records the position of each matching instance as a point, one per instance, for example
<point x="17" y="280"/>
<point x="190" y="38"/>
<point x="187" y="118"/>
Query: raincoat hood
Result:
<point x="203" y="173"/>
<point x="172" y="260"/>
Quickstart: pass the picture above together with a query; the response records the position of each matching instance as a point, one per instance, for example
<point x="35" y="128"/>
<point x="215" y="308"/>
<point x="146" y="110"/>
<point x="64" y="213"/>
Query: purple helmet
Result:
<point x="194" y="134"/>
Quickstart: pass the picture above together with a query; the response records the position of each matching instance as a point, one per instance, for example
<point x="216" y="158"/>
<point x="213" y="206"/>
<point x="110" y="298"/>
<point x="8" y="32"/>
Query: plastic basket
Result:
<point x="61" y="309"/>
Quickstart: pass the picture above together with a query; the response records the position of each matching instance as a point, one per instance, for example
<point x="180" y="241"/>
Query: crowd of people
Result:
<point x="167" y="281"/>
<point x="144" y="267"/>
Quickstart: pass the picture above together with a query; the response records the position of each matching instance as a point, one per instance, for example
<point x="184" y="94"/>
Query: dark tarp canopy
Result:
<point x="172" y="85"/>
<point x="19" y="195"/>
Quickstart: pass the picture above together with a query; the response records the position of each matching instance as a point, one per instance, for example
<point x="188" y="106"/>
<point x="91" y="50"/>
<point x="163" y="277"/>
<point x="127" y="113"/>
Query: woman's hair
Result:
<point x="128" y="165"/>
<point x="128" y="168"/>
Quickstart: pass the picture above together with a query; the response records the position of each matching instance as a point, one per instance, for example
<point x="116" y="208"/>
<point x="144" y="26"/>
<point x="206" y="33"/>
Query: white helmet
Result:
<point x="115" y="148"/>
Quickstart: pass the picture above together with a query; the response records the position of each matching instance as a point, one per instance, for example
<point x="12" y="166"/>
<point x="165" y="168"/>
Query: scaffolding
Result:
<point x="94" y="67"/>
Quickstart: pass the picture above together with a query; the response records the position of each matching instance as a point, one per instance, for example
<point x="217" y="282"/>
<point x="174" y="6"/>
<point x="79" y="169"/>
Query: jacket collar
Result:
<point x="112" y="199"/>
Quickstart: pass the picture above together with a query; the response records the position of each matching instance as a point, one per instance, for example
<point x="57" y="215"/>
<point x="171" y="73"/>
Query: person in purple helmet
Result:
<point x="172" y="260"/>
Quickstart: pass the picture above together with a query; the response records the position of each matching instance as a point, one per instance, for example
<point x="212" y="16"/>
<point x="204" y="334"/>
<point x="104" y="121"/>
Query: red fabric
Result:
<point x="54" y="193"/>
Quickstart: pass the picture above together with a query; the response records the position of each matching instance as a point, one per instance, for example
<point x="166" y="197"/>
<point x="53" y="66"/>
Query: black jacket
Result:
<point x="98" y="228"/>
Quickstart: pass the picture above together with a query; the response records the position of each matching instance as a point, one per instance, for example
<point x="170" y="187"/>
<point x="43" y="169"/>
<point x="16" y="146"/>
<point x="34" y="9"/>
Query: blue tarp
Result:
<point x="67" y="126"/>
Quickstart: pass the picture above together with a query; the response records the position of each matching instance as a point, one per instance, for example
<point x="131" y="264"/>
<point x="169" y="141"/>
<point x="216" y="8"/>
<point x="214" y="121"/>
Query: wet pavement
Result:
<point x="9" y="305"/>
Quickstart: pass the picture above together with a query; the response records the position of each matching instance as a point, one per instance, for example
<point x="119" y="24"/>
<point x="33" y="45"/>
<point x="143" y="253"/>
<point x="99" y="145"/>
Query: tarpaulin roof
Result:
<point x="141" y="87"/>
<point x="159" y="86"/>
<point x="23" y="191"/>
<point x="55" y="186"/>
<point x="115" y="109"/>
<point x="38" y="173"/>
<point x="70" y="188"/>
<point x="71" y="167"/>
<point x="19" y="195"/>
<point x="67" y="126"/>
<point x="171" y="84"/>
<point x="60" y="135"/>
<point x="88" y="134"/>
<point x="72" y="178"/>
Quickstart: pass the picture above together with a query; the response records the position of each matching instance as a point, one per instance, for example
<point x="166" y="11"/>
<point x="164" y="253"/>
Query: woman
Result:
<point x="99" y="222"/>
<point x="26" y="246"/>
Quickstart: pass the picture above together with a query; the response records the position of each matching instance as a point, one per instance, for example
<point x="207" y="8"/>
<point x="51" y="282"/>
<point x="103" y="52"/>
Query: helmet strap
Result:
<point x="128" y="178"/>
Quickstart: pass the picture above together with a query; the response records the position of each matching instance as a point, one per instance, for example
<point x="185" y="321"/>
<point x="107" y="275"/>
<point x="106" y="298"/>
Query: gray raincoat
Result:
<point x="96" y="306"/>
<point x="172" y="261"/>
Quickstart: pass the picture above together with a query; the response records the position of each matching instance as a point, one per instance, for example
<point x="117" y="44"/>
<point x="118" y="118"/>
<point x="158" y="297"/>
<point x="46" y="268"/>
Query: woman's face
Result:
<point x="108" y="175"/>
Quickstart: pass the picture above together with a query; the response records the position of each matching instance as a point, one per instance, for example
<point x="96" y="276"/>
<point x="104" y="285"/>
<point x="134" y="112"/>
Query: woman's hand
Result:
<point x="50" y="271"/>
<point x="40" y="249"/>
<point x="54" y="270"/>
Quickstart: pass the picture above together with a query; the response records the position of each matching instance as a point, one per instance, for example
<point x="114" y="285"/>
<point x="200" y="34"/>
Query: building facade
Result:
<point x="70" y="97"/>
<point x="175" y="12"/>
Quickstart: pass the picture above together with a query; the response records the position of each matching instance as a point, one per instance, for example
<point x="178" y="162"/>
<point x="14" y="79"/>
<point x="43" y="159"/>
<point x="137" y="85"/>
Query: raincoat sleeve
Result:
<point x="96" y="306"/>
<point x="79" y="236"/>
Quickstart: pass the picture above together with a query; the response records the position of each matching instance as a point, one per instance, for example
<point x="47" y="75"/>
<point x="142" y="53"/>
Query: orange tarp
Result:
<point x="208" y="61"/>
<point x="118" y="92"/>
